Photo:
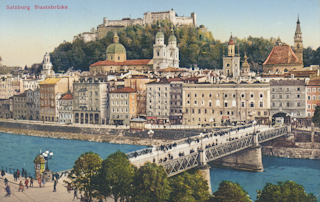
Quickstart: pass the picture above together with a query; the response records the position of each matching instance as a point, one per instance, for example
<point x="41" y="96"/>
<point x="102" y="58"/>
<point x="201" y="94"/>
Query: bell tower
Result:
<point x="298" y="45"/>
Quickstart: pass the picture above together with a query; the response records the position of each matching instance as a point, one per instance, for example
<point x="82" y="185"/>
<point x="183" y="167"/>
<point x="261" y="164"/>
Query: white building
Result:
<point x="231" y="63"/>
<point x="47" y="67"/>
<point x="65" y="109"/>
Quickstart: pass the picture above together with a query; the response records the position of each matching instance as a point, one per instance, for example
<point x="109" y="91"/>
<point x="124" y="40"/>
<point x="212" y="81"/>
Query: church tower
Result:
<point x="47" y="67"/>
<point x="231" y="63"/>
<point x="159" y="52"/>
<point x="173" y="51"/>
<point x="298" y="45"/>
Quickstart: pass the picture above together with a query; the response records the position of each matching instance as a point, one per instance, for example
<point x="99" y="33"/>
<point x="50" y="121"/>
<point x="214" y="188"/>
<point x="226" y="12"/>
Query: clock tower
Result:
<point x="298" y="45"/>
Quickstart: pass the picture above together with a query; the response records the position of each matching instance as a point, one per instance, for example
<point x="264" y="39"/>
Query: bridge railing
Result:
<point x="270" y="134"/>
<point x="140" y="152"/>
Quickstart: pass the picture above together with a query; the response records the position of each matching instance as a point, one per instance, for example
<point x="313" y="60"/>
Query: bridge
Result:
<point x="235" y="147"/>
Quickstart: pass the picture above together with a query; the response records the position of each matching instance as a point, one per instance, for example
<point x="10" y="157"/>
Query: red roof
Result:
<point x="124" y="90"/>
<point x="282" y="55"/>
<point x="126" y="62"/>
<point x="67" y="97"/>
<point x="174" y="79"/>
<point x="171" y="69"/>
<point x="314" y="82"/>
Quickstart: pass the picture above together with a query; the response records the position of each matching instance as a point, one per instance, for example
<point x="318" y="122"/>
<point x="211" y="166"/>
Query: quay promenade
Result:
<point x="37" y="194"/>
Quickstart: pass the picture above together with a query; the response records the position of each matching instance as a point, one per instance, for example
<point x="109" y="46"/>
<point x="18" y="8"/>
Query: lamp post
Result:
<point x="47" y="155"/>
<point x="254" y="126"/>
<point x="211" y="122"/>
<point x="150" y="133"/>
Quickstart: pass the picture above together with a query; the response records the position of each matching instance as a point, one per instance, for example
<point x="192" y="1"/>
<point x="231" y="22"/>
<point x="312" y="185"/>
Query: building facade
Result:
<point x="176" y="101"/>
<point x="6" y="108"/>
<point x="288" y="98"/>
<point x="123" y="106"/>
<point x="33" y="104"/>
<point x="47" y="70"/>
<point x="313" y="96"/>
<point x="231" y="63"/>
<point x="6" y="90"/>
<point x="208" y="104"/>
<point x="158" y="101"/>
<point x="91" y="100"/>
<point x="65" y="108"/>
<point x="20" y="106"/>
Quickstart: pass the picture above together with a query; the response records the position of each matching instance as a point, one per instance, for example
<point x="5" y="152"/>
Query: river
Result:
<point x="17" y="151"/>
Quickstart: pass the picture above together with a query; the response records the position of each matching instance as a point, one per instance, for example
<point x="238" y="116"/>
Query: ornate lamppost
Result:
<point x="150" y="133"/>
<point x="47" y="155"/>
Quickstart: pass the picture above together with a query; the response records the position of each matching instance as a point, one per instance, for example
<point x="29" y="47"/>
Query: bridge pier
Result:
<point x="205" y="172"/>
<point x="247" y="159"/>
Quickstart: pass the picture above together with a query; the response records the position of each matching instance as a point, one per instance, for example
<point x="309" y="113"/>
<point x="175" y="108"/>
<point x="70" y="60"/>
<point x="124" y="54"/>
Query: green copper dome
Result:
<point x="172" y="38"/>
<point x="116" y="48"/>
<point x="159" y="35"/>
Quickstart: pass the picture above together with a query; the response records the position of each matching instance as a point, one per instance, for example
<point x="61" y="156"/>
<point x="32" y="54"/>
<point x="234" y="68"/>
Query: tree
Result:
<point x="189" y="186"/>
<point x="230" y="192"/>
<point x="84" y="171"/>
<point x="116" y="177"/>
<point x="316" y="117"/>
<point x="151" y="184"/>
<point x="284" y="191"/>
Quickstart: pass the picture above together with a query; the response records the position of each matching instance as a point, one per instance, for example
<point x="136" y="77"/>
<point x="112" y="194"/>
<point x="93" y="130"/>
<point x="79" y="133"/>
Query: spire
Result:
<point x="298" y="28"/>
<point x="298" y="22"/>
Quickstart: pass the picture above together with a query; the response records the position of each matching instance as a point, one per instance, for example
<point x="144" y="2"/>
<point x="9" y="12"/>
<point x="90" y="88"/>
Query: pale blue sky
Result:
<point x="26" y="35"/>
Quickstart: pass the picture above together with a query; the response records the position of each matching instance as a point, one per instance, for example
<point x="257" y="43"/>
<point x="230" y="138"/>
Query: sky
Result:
<point x="26" y="35"/>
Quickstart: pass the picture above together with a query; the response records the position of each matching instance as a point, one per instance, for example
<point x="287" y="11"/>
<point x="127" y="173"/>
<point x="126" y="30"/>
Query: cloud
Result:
<point x="279" y="23"/>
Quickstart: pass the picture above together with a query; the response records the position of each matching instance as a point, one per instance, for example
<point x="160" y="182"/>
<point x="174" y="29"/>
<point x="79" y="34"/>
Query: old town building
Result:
<point x="6" y="108"/>
<point x="158" y="101"/>
<point x="6" y="90"/>
<point x="49" y="88"/>
<point x="231" y="62"/>
<point x="313" y="95"/>
<point x="123" y="106"/>
<point x="206" y="104"/>
<point x="65" y="108"/>
<point x="20" y="106"/>
<point x="175" y="100"/>
<point x="33" y="104"/>
<point x="91" y="100"/>
<point x="138" y="83"/>
<point x="288" y="98"/>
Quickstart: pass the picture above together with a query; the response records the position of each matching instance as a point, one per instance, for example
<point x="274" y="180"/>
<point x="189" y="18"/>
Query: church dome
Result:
<point x="231" y="42"/>
<point x="172" y="38"/>
<point x="159" y="35"/>
<point x="116" y="47"/>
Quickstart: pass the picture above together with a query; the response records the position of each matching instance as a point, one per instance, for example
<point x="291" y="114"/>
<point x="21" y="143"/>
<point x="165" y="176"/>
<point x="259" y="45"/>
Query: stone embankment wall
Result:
<point x="301" y="147"/>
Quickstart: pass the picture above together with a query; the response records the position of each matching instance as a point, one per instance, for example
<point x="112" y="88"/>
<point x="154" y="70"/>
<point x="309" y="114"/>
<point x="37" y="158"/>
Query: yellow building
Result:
<point x="49" y="88"/>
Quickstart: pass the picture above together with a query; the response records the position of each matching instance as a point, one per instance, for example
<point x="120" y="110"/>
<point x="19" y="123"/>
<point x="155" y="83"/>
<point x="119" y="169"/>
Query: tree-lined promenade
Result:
<point x="117" y="178"/>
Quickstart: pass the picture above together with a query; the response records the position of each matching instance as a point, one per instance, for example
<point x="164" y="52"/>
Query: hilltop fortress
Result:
<point x="148" y="18"/>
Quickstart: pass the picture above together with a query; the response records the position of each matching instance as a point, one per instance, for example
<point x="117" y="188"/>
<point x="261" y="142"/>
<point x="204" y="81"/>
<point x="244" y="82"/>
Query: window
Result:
<point x="259" y="113"/>
<point x="280" y="96"/>
<point x="220" y="112"/>
<point x="288" y="105"/>
<point x="186" y="110"/>
<point x="265" y="113"/>
<point x="273" y="96"/>
<point x="273" y="104"/>
<point x="288" y="89"/>
<point x="313" y="89"/>
<point x="318" y="89"/>
<point x="242" y="104"/>
<point x="280" y="104"/>
<point x="188" y="95"/>
<point x="202" y="95"/>
<point x="288" y="96"/>
<point x="212" y="111"/>
<point x="192" y="111"/>
<point x="210" y="104"/>
<point x="272" y="89"/>
<point x="309" y="97"/>
<point x="209" y="95"/>
<point x="298" y="89"/>
<point x="202" y="102"/>
<point x="242" y="95"/>
<point x="298" y="104"/>
<point x="313" y="97"/>
<point x="309" y="89"/>
<point x="234" y="95"/>
<point x="298" y="96"/>
<point x="261" y="104"/>
<point x="205" y="111"/>
<point x="195" y="95"/>
<point x="280" y="89"/>
<point x="252" y="104"/>
<point x="199" y="111"/>
<point x="195" y="102"/>
<point x="225" y="95"/>
<point x="261" y="95"/>
<point x="314" y="106"/>
<point x="226" y="104"/>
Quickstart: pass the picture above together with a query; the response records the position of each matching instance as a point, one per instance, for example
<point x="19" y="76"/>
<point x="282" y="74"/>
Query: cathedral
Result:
<point x="165" y="56"/>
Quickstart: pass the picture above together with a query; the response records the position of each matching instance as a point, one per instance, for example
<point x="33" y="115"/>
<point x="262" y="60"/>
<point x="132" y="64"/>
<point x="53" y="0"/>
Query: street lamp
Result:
<point x="47" y="155"/>
<point x="254" y="126"/>
<point x="211" y="121"/>
<point x="150" y="133"/>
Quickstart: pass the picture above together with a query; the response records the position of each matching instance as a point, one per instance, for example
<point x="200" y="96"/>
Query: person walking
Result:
<point x="15" y="176"/>
<point x="75" y="194"/>
<point x="69" y="187"/>
<point x="39" y="181"/>
<point x="2" y="173"/>
<point x="18" y="174"/>
<point x="6" y="181"/>
<point x="31" y="182"/>
<point x="26" y="182"/>
<point x="20" y="186"/>
<point x="43" y="182"/>
<point x="8" y="191"/>
<point x="55" y="185"/>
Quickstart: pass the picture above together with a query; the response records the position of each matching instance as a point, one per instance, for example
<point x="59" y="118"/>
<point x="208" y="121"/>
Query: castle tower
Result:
<point x="231" y="63"/>
<point x="173" y="51"/>
<point x="47" y="67"/>
<point x="159" y="52"/>
<point x="116" y="51"/>
<point x="298" y="45"/>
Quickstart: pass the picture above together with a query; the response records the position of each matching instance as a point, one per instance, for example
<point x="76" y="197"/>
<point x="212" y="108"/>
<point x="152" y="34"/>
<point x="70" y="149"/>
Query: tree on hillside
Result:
<point x="116" y="177"/>
<point x="84" y="172"/>
<point x="151" y="184"/>
<point x="189" y="186"/>
<point x="316" y="117"/>
<point x="284" y="191"/>
<point x="230" y="192"/>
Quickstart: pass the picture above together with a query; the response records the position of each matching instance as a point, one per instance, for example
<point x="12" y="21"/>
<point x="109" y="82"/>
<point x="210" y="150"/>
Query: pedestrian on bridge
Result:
<point x="39" y="181"/>
<point x="2" y="173"/>
<point x="31" y="182"/>
<point x="20" y="186"/>
<point x="43" y="182"/>
<point x="26" y="182"/>
<point x="55" y="185"/>
<point x="8" y="191"/>
<point x="6" y="181"/>
<point x="18" y="174"/>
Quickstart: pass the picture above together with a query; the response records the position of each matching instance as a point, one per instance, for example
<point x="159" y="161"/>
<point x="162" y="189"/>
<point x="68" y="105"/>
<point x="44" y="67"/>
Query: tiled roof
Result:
<point x="160" y="81"/>
<point x="314" y="82"/>
<point x="300" y="73"/>
<point x="287" y="82"/>
<point x="171" y="69"/>
<point x="50" y="81"/>
<point x="126" y="62"/>
<point x="67" y="97"/>
<point x="174" y="79"/>
<point x="124" y="90"/>
<point x="282" y="55"/>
